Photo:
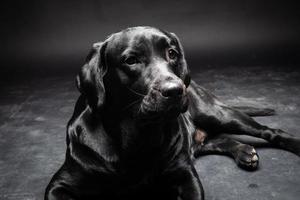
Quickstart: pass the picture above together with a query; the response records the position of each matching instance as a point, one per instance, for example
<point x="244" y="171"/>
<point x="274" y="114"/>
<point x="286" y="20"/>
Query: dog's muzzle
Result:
<point x="169" y="99"/>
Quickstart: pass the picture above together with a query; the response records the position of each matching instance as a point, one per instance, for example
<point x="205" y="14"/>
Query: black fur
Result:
<point x="140" y="121"/>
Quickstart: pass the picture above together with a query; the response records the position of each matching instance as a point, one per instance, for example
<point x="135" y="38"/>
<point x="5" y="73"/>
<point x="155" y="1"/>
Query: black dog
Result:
<point x="140" y="121"/>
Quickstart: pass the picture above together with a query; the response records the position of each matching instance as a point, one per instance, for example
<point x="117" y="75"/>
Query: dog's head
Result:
<point x="139" y="67"/>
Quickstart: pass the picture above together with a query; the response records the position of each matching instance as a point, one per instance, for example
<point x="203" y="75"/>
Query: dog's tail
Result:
<point x="255" y="112"/>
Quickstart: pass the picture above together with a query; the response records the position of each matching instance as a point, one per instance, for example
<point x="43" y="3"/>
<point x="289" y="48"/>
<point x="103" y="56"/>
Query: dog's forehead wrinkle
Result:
<point x="139" y="44"/>
<point x="150" y="35"/>
<point x="118" y="41"/>
<point x="146" y="31"/>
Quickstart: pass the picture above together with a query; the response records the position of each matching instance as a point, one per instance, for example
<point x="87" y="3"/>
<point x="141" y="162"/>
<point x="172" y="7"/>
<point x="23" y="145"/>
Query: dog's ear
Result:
<point x="185" y="73"/>
<point x="89" y="81"/>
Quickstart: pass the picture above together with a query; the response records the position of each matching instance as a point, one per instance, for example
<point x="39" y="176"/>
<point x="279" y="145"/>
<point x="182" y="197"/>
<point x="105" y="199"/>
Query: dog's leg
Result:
<point x="58" y="189"/>
<point x="244" y="155"/>
<point x="255" y="112"/>
<point x="211" y="115"/>
<point x="190" y="187"/>
<point x="238" y="123"/>
<point x="182" y="175"/>
<point x="57" y="193"/>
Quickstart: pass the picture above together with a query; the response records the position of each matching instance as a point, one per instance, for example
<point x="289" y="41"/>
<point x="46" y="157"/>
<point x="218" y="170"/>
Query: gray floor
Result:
<point x="34" y="113"/>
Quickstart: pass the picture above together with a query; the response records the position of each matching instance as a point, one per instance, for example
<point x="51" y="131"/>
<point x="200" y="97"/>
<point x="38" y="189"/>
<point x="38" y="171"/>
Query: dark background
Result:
<point x="39" y="37"/>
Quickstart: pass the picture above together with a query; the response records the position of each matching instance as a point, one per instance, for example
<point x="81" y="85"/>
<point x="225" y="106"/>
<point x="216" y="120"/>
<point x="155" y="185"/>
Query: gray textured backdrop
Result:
<point x="217" y="31"/>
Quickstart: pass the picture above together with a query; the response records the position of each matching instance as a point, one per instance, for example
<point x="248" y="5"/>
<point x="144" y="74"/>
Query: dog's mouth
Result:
<point x="155" y="105"/>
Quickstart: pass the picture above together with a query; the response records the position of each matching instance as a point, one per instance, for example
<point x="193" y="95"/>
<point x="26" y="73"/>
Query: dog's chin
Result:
<point x="162" y="109"/>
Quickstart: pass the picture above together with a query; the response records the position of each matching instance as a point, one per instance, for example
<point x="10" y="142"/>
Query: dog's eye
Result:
<point x="131" y="60"/>
<point x="172" y="54"/>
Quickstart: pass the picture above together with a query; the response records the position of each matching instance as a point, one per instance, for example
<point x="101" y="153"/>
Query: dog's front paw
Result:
<point x="246" y="157"/>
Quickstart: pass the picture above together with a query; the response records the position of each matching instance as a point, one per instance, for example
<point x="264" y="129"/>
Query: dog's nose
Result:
<point x="171" y="89"/>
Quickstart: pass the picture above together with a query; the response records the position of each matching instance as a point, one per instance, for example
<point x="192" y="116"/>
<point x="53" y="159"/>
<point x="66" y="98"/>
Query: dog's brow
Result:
<point x="162" y="42"/>
<point x="136" y="45"/>
<point x="130" y="51"/>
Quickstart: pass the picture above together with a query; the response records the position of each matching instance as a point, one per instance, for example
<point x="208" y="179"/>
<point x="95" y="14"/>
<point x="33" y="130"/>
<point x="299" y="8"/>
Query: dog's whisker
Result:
<point x="132" y="103"/>
<point x="135" y="92"/>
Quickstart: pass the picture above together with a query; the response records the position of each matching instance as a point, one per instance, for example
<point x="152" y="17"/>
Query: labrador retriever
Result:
<point x="140" y="122"/>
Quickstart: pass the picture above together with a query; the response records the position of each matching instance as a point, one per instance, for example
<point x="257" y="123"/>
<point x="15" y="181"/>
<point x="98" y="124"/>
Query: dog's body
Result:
<point x="139" y="122"/>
